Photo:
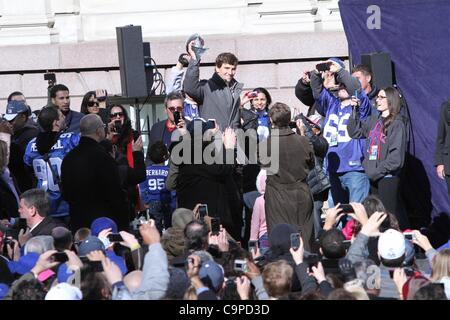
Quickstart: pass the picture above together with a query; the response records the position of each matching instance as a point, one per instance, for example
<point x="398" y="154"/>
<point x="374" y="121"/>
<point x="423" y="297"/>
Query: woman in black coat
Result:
<point x="206" y="183"/>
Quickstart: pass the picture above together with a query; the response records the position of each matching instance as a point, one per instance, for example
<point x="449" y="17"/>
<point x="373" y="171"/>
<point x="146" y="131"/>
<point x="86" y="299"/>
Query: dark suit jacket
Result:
<point x="442" y="155"/>
<point x="45" y="227"/>
<point x="92" y="187"/>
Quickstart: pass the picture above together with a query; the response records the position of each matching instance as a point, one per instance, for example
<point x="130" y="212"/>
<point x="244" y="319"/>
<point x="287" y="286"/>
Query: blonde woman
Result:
<point x="441" y="269"/>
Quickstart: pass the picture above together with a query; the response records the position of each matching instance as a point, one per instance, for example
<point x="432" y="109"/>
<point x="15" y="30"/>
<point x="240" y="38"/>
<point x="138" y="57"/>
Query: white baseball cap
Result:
<point x="391" y="244"/>
<point x="64" y="291"/>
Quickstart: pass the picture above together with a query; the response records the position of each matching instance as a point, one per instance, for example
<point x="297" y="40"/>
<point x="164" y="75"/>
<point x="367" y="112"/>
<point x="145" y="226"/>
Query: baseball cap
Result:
<point x="103" y="223"/>
<point x="90" y="244"/>
<point x="391" y="244"/>
<point x="64" y="291"/>
<point x="212" y="275"/>
<point x="14" y="108"/>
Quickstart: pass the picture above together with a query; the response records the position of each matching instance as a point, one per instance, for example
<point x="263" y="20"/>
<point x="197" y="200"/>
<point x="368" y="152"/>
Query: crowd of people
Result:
<point x="227" y="203"/>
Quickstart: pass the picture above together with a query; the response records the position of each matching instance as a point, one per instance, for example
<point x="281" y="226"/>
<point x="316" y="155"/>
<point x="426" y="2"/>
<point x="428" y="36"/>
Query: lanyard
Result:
<point x="376" y="137"/>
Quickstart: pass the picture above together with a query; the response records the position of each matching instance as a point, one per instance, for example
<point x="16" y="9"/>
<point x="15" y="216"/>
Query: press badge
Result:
<point x="333" y="140"/>
<point x="373" y="153"/>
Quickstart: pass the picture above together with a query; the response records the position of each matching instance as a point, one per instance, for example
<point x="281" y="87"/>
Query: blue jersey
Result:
<point x="43" y="173"/>
<point x="263" y="125"/>
<point x="344" y="153"/>
<point x="154" y="187"/>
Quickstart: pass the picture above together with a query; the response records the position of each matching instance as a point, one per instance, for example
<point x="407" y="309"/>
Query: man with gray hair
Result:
<point x="90" y="179"/>
<point x="34" y="206"/>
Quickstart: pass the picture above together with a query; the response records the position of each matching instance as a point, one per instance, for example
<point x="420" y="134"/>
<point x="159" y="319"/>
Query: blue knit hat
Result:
<point x="339" y="62"/>
<point x="103" y="223"/>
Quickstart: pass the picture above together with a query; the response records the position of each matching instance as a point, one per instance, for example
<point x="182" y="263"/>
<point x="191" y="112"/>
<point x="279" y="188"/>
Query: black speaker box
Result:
<point x="381" y="65"/>
<point x="131" y="61"/>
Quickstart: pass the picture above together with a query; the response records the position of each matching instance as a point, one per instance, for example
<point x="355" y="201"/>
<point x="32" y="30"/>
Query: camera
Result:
<point x="409" y="236"/>
<point x="215" y="226"/>
<point x="346" y="208"/>
<point x="321" y="67"/>
<point x="50" y="77"/>
<point x="295" y="241"/>
<point x="252" y="94"/>
<point x="117" y="125"/>
<point x="203" y="211"/>
<point x="60" y="257"/>
<point x="115" y="237"/>
<point x="252" y="245"/>
<point x="176" y="117"/>
<point x="240" y="265"/>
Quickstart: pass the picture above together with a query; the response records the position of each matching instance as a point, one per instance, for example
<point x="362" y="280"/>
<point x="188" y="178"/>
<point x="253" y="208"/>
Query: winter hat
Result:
<point x="64" y="291"/>
<point x="103" y="223"/>
<point x="178" y="283"/>
<point x="181" y="217"/>
<point x="391" y="244"/>
<point x="338" y="61"/>
<point x="212" y="275"/>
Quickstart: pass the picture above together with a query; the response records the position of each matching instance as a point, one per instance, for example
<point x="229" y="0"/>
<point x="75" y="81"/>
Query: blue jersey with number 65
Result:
<point x="154" y="187"/>
<point x="43" y="173"/>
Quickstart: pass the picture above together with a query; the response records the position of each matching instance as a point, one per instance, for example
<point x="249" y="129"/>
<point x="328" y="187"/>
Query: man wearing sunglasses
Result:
<point x="163" y="130"/>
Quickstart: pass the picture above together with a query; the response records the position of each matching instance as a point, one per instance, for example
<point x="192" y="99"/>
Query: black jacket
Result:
<point x="303" y="92"/>
<point x="92" y="187"/>
<point x="215" y="98"/>
<point x="317" y="179"/>
<point x="45" y="227"/>
<point x="8" y="202"/>
<point x="23" y="174"/>
<point x="392" y="151"/>
<point x="442" y="154"/>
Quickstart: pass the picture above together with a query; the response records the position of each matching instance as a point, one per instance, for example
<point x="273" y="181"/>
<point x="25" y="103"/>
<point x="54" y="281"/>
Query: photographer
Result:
<point x="170" y="129"/>
<point x="348" y="181"/>
<point x="129" y="156"/>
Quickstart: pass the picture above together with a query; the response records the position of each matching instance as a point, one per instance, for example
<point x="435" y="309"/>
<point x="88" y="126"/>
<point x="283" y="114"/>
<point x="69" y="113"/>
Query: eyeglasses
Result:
<point x="381" y="97"/>
<point x="117" y="114"/>
<point x="92" y="104"/>
<point x="172" y="109"/>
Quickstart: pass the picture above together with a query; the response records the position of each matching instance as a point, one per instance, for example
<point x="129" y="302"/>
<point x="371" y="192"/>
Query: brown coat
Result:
<point x="288" y="198"/>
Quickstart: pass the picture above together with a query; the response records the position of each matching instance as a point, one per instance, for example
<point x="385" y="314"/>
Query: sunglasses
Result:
<point x="172" y="109"/>
<point x="117" y="114"/>
<point x="92" y="103"/>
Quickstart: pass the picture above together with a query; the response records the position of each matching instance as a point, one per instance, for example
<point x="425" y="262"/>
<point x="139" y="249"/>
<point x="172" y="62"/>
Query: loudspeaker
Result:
<point x="381" y="65"/>
<point x="148" y="66"/>
<point x="131" y="61"/>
